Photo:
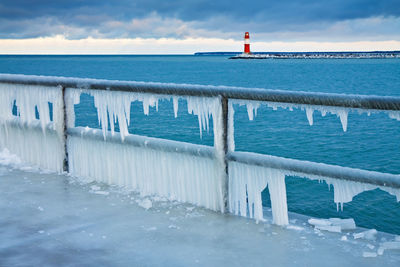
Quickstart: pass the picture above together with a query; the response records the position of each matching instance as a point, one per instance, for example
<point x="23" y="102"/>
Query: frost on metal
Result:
<point x="20" y="134"/>
<point x="246" y="183"/>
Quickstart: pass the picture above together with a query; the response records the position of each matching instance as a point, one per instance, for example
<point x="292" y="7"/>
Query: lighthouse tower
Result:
<point x="247" y="43"/>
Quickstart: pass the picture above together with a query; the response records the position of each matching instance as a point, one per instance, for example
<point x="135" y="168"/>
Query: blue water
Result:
<point x="371" y="142"/>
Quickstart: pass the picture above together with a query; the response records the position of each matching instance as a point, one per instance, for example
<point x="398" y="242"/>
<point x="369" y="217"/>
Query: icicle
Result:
<point x="204" y="108"/>
<point x="345" y="191"/>
<point x="28" y="98"/>
<point x="113" y="107"/>
<point x="309" y="113"/>
<point x="148" y="101"/>
<point x="394" y="115"/>
<point x="277" y="191"/>
<point x="175" y="101"/>
<point x="252" y="109"/>
<point x="343" y="113"/>
<point x="246" y="182"/>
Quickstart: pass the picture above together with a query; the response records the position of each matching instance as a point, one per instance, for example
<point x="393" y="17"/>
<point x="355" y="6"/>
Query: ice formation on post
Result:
<point x="36" y="141"/>
<point x="72" y="97"/>
<point x="246" y="182"/>
<point x="231" y="127"/>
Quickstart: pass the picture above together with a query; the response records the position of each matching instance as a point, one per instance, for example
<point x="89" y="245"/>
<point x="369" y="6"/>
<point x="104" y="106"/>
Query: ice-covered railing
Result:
<point x="216" y="177"/>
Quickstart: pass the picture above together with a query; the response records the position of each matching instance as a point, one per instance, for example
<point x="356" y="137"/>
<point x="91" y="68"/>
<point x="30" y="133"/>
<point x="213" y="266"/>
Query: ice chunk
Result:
<point x="369" y="234"/>
<point x="6" y="158"/>
<point x="370" y="246"/>
<point x="345" y="224"/>
<point x="329" y="228"/>
<point x="245" y="186"/>
<point x="294" y="227"/>
<point x="390" y="245"/>
<point x="319" y="222"/>
<point x="95" y="187"/>
<point x="104" y="193"/>
<point x="145" y="203"/>
<point x="333" y="224"/>
<point x="369" y="254"/>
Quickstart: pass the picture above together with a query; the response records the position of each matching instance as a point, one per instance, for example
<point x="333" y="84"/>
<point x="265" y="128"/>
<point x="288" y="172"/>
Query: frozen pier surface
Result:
<point x="53" y="220"/>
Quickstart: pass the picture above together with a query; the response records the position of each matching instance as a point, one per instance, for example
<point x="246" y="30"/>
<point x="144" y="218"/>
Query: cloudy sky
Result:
<point x="187" y="26"/>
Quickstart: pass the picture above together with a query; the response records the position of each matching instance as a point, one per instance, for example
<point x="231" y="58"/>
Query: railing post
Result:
<point x="64" y="134"/>
<point x="225" y="182"/>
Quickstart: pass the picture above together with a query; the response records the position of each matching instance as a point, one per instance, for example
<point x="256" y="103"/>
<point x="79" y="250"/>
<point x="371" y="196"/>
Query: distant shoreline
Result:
<point x="283" y="55"/>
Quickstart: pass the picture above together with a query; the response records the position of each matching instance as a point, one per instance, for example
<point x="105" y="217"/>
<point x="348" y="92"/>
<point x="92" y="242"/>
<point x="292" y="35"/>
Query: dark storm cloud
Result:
<point x="82" y="18"/>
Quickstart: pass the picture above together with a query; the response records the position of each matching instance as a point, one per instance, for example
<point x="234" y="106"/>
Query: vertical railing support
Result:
<point x="64" y="134"/>
<point x="225" y="183"/>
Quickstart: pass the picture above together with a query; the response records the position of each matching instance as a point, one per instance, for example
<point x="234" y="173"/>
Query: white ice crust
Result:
<point x="185" y="178"/>
<point x="20" y="135"/>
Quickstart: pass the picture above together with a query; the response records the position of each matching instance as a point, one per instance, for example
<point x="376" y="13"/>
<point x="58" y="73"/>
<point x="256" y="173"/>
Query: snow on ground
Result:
<point x="49" y="219"/>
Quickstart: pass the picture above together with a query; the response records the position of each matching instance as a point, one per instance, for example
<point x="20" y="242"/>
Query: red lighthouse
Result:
<point x="247" y="43"/>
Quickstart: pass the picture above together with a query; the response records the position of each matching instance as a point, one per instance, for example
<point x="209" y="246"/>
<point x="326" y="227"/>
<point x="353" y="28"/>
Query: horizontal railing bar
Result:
<point x="293" y="166"/>
<point x="33" y="125"/>
<point x="144" y="142"/>
<point x="257" y="94"/>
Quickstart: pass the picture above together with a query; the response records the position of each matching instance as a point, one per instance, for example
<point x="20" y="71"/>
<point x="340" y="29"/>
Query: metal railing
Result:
<point x="226" y="93"/>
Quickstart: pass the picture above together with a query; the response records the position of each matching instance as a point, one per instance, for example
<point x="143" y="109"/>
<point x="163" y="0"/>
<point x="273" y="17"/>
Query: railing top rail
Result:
<point x="301" y="167"/>
<point x="257" y="94"/>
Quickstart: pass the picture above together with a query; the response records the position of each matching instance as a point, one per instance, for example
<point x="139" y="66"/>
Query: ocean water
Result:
<point x="371" y="142"/>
